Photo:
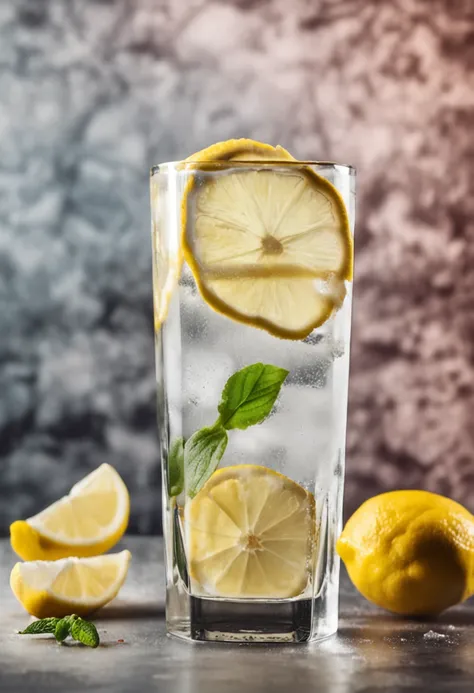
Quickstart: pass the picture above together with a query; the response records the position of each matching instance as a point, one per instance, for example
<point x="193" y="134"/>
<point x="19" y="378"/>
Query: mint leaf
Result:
<point x="247" y="399"/>
<point x="81" y="630"/>
<point x="179" y="552"/>
<point x="249" y="395"/>
<point x="62" y="629"/>
<point x="85" y="632"/>
<point x="43" y="625"/>
<point x="202" y="454"/>
<point x="176" y="467"/>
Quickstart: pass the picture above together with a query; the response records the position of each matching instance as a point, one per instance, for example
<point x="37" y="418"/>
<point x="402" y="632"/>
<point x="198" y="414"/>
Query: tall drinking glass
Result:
<point x="252" y="275"/>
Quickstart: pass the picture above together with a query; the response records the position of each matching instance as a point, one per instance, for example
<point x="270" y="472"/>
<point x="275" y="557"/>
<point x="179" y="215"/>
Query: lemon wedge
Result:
<point x="250" y="533"/>
<point x="87" y="522"/>
<point x="70" y="585"/>
<point x="269" y="247"/>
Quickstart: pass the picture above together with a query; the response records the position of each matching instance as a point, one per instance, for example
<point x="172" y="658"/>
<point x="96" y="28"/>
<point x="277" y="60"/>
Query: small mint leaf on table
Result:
<point x="249" y="395"/>
<point x="176" y="467"/>
<point x="41" y="626"/>
<point x="85" y="632"/>
<point x="202" y="454"/>
<point x="62" y="629"/>
<point x="81" y="630"/>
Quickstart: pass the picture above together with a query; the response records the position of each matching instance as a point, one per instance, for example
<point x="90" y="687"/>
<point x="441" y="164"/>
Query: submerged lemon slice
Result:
<point x="70" y="585"/>
<point x="268" y="247"/>
<point x="88" y="521"/>
<point x="250" y="533"/>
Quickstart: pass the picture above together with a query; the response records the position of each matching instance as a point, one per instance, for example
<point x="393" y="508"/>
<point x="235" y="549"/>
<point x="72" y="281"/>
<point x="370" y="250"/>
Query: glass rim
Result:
<point x="290" y="163"/>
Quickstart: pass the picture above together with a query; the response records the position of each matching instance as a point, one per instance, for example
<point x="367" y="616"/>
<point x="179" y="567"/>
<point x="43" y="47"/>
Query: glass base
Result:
<point x="288" y="621"/>
<point x="296" y="620"/>
<point x="226" y="621"/>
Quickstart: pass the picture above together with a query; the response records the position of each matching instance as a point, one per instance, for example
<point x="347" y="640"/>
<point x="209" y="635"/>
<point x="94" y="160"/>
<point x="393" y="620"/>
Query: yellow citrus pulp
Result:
<point x="69" y="585"/>
<point x="250" y="532"/>
<point x="87" y="522"/>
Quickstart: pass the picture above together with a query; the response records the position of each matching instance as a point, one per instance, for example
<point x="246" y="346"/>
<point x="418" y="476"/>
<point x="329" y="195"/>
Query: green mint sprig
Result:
<point x="176" y="467"/>
<point x="62" y="630"/>
<point x="44" y="625"/>
<point x="249" y="395"/>
<point x="85" y="632"/>
<point x="78" y="628"/>
<point x="247" y="399"/>
<point x="202" y="454"/>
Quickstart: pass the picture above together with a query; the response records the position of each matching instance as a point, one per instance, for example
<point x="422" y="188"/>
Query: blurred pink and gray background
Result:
<point x="94" y="92"/>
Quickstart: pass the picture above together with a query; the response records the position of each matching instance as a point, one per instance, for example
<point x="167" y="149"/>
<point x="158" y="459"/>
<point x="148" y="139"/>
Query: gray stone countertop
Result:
<point x="372" y="652"/>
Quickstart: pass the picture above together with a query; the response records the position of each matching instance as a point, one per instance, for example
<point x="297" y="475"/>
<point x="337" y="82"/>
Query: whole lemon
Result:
<point x="411" y="552"/>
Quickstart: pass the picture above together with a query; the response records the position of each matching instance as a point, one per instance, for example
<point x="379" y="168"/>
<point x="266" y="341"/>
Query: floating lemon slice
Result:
<point x="166" y="263"/>
<point x="70" y="585"/>
<point x="250" y="533"/>
<point x="87" y="522"/>
<point x="269" y="247"/>
<point x="240" y="150"/>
